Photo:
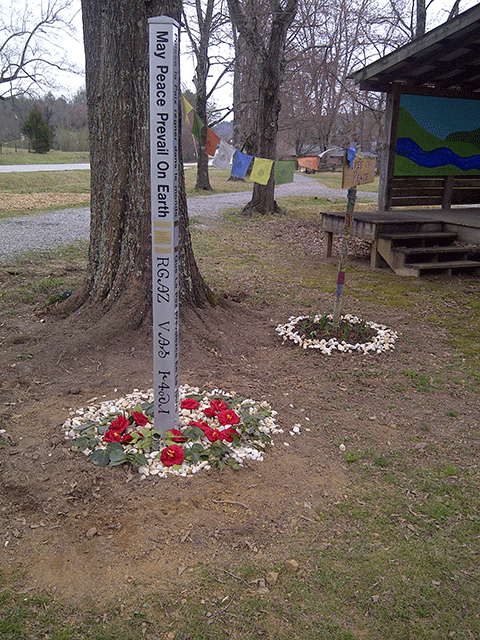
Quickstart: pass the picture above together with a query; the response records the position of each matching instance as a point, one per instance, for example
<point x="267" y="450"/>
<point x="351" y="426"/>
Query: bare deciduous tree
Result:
<point x="203" y="26"/>
<point x="265" y="35"/>
<point x="32" y="46"/>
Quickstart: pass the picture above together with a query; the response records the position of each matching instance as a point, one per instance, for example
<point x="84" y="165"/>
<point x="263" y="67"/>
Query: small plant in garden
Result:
<point x="59" y="297"/>
<point x="351" y="334"/>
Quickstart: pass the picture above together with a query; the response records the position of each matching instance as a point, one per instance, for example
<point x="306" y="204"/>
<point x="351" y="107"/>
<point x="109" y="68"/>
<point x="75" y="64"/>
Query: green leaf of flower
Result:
<point x="144" y="443"/>
<point x="193" y="433"/>
<point x="117" y="457"/>
<point x="101" y="457"/>
<point x="137" y="459"/>
<point x="114" y="446"/>
<point x="194" y="396"/>
<point x="194" y="453"/>
<point x="81" y="443"/>
<point x="147" y="408"/>
<point x="89" y="424"/>
<point x="197" y="447"/>
<point x="192" y="456"/>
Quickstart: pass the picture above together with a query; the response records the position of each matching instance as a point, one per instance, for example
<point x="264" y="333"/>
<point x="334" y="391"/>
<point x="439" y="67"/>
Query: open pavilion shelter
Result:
<point x="429" y="190"/>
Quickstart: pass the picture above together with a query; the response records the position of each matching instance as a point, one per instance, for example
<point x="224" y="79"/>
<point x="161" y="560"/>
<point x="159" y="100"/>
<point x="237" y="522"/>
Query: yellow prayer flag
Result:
<point x="187" y="107"/>
<point x="261" y="170"/>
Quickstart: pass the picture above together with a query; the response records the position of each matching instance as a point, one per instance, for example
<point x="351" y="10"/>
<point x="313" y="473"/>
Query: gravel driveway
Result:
<point x="66" y="226"/>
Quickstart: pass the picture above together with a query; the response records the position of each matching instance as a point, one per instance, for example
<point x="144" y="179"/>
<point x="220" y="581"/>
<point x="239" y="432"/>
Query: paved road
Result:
<point x="13" y="168"/>
<point x="42" y="231"/>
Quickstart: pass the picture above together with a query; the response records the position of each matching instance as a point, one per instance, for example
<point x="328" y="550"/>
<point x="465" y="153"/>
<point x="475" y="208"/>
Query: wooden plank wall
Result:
<point x="434" y="191"/>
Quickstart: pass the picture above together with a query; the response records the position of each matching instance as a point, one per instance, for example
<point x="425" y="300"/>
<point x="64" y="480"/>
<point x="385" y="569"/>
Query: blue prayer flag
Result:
<point x="241" y="162"/>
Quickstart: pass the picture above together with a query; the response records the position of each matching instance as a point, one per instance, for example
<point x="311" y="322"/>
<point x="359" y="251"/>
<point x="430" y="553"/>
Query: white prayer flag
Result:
<point x="223" y="156"/>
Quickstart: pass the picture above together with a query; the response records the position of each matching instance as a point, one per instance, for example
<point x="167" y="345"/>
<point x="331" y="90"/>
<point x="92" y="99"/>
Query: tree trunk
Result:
<point x="421" y="21"/>
<point x="268" y="49"/>
<point x="263" y="196"/>
<point x="201" y="74"/>
<point x="203" y="179"/>
<point x="119" y="270"/>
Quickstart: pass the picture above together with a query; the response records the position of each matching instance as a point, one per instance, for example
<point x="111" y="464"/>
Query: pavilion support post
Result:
<point x="388" y="150"/>
<point x="447" y="192"/>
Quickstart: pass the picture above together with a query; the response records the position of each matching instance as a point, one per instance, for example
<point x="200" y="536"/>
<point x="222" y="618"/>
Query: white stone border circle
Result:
<point x="384" y="340"/>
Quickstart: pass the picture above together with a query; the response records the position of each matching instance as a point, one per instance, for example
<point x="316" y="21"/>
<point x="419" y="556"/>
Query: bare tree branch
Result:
<point x="32" y="47"/>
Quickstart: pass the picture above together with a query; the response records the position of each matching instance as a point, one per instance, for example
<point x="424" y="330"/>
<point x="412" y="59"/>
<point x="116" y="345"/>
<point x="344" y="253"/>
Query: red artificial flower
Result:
<point x="189" y="403"/>
<point x="140" y="418"/>
<point x="119" y="424"/>
<point x="126" y="438"/>
<point x="218" y="405"/>
<point x="172" y="455"/>
<point x="199" y="424"/>
<point x="229" y="434"/>
<point x="112" y="436"/>
<point x="209" y="412"/>
<point x="177" y="435"/>
<point x="213" y="434"/>
<point x="228" y="416"/>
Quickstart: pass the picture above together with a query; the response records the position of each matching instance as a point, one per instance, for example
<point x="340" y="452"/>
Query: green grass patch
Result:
<point x="42" y="278"/>
<point x="218" y="181"/>
<point x="45" y="181"/>
<point x="11" y="157"/>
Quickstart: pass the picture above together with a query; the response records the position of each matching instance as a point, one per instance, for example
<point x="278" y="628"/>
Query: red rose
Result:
<point x="209" y="412"/>
<point x="177" y="435"/>
<point x="172" y="455"/>
<point x="189" y="403"/>
<point x="126" y="438"/>
<point x="112" y="436"/>
<point x="119" y="424"/>
<point x="218" y="405"/>
<point x="229" y="434"/>
<point x="140" y="418"/>
<point x="228" y="417"/>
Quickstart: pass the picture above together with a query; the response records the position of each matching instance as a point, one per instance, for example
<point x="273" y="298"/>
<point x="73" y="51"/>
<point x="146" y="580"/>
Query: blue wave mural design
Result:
<point x="408" y="148"/>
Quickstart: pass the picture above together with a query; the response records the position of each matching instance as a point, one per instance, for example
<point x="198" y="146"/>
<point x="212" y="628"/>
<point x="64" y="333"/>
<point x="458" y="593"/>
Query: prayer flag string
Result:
<point x="225" y="155"/>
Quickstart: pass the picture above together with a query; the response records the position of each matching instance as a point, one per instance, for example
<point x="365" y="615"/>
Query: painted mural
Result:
<point x="437" y="136"/>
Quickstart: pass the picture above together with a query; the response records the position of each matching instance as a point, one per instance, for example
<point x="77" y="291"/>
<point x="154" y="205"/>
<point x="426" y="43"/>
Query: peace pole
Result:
<point x="356" y="170"/>
<point x="164" y="40"/>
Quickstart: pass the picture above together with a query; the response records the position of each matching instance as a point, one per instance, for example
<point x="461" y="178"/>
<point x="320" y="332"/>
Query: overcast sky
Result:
<point x="70" y="83"/>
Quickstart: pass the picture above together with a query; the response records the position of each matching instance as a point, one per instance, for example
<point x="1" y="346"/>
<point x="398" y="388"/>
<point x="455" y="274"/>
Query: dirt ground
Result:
<point x="75" y="530"/>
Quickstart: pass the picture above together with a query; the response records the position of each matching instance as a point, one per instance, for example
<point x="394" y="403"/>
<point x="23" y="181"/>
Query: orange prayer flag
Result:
<point x="212" y="142"/>
<point x="309" y="162"/>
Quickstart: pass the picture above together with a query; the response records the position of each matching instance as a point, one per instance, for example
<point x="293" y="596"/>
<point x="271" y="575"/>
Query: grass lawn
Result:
<point x="397" y="557"/>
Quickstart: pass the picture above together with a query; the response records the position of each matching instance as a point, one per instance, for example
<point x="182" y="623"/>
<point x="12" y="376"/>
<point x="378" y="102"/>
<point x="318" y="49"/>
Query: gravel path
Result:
<point x="42" y="231"/>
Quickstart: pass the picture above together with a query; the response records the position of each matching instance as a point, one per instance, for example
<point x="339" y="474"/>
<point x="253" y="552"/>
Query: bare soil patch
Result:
<point x="75" y="530"/>
<point x="35" y="201"/>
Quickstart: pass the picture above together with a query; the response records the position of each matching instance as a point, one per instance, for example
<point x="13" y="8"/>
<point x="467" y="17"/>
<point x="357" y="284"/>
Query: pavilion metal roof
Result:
<point x="445" y="61"/>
